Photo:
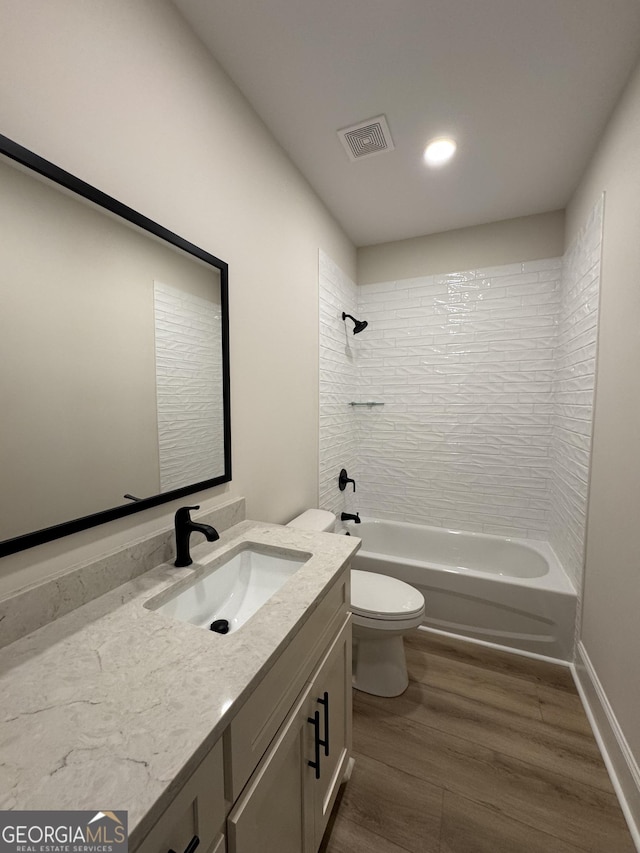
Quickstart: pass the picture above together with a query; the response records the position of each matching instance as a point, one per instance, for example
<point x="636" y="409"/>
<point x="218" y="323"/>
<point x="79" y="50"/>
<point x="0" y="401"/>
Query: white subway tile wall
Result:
<point x="573" y="390"/>
<point x="338" y="383"/>
<point x="188" y="353"/>
<point x="487" y="380"/>
<point x="464" y="365"/>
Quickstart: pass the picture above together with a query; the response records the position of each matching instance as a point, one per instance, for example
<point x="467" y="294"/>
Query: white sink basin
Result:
<point x="235" y="589"/>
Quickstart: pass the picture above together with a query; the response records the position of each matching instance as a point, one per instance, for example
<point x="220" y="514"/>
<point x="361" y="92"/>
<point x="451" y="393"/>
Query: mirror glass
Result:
<point x="114" y="375"/>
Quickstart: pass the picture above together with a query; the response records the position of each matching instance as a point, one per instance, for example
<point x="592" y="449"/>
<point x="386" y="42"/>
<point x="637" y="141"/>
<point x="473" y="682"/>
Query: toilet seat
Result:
<point x="380" y="597"/>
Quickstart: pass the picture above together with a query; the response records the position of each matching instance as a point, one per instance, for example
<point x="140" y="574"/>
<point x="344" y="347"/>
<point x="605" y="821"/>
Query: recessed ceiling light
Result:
<point x="439" y="151"/>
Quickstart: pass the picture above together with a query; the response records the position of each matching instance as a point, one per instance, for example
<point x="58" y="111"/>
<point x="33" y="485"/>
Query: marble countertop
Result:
<point x="114" y="705"/>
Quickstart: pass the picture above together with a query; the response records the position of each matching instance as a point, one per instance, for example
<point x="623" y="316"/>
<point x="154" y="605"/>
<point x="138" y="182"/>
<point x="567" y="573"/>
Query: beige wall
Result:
<point x="611" y="610"/>
<point x="123" y="95"/>
<point x="527" y="238"/>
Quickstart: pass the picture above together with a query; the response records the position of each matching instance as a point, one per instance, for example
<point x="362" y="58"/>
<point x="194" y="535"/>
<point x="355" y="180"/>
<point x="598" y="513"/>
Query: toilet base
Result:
<point x="379" y="664"/>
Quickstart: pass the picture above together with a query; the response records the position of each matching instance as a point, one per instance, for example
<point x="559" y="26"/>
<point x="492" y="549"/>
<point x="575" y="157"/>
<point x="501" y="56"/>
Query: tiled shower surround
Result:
<point x="338" y="383"/>
<point x="573" y="391"/>
<point x="487" y="380"/>
<point x="464" y="365"/>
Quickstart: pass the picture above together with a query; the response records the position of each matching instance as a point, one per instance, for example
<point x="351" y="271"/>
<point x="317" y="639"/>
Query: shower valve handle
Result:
<point x="343" y="479"/>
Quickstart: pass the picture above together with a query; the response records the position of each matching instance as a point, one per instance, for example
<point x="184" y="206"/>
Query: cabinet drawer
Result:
<point x="255" y="725"/>
<point x="199" y="809"/>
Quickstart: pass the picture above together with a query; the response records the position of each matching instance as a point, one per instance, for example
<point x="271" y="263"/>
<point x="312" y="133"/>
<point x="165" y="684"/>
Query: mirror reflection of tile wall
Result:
<point x="188" y="385"/>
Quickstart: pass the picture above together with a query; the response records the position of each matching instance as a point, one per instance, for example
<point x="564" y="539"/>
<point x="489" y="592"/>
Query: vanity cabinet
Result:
<point x="270" y="782"/>
<point x="197" y="812"/>
<point x="286" y="804"/>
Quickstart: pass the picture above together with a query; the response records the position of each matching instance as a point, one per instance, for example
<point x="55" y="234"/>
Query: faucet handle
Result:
<point x="343" y="479"/>
<point x="184" y="513"/>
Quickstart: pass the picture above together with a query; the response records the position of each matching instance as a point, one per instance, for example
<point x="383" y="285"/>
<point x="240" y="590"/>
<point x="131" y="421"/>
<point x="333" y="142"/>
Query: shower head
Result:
<point x="359" y="325"/>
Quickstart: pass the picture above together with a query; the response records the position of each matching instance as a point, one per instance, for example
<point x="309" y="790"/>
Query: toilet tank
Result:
<point x="320" y="520"/>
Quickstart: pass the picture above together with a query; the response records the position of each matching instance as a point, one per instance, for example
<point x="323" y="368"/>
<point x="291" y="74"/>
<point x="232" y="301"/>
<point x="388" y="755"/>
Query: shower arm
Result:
<point x="358" y="325"/>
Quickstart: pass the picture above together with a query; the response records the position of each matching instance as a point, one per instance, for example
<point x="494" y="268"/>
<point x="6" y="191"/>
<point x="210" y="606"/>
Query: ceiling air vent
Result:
<point x="367" y="138"/>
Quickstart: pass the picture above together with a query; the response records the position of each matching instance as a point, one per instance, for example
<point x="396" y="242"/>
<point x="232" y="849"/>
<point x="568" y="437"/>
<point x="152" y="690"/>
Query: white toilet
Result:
<point x="384" y="609"/>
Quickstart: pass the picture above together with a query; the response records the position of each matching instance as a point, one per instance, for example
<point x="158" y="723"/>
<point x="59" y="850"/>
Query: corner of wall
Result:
<point x="616" y="753"/>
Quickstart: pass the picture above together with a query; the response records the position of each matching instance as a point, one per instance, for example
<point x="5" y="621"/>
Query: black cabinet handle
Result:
<point x="191" y="846"/>
<point x="315" y="722"/>
<point x="325" y="701"/>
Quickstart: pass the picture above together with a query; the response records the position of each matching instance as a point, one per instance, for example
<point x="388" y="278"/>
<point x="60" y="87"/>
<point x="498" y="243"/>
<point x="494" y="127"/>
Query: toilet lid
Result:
<point x="382" y="597"/>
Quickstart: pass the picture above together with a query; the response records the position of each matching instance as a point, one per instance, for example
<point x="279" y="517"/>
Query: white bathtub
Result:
<point x="512" y="592"/>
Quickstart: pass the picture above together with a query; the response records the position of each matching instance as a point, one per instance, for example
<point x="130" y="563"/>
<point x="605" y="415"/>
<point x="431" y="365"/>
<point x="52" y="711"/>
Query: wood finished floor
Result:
<point x="486" y="752"/>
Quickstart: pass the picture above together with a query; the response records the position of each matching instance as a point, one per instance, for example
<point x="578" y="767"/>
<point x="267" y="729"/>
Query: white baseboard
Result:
<point x="618" y="758"/>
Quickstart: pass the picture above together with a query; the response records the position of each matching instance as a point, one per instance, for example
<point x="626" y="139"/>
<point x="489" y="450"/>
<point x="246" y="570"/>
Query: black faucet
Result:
<point x="347" y="516"/>
<point x="343" y="479"/>
<point x="184" y="528"/>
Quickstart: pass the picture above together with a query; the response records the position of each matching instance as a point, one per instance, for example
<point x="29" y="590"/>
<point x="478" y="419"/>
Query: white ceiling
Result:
<point x="525" y="86"/>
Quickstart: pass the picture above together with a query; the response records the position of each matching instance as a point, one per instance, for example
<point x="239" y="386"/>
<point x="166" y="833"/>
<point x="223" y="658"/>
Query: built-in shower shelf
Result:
<point x="369" y="403"/>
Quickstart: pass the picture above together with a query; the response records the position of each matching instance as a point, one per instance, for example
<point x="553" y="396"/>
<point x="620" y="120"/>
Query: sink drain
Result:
<point x="220" y="626"/>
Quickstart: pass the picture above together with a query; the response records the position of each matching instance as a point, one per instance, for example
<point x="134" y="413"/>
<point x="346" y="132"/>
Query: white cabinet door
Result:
<point x="253" y="728"/>
<point x="274" y="812"/>
<point x="331" y="700"/>
<point x="196" y="815"/>
<point x="287" y="802"/>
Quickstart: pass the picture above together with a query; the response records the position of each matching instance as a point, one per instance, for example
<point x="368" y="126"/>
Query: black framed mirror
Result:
<point x="114" y="357"/>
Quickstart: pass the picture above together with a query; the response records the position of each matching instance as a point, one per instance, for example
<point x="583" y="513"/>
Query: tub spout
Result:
<point x="347" y="516"/>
